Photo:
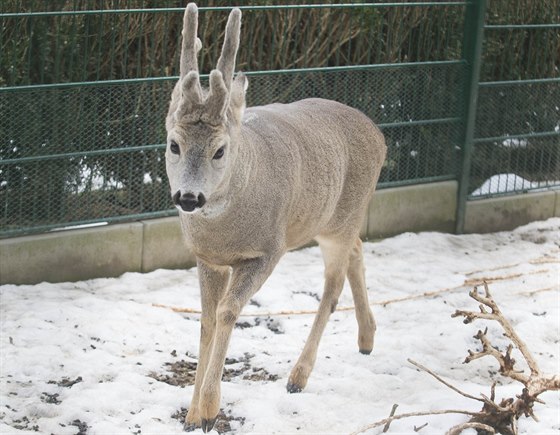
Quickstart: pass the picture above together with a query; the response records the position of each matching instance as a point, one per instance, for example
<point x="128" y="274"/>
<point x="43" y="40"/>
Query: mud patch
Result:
<point x="260" y="374"/>
<point x="24" y="424"/>
<point x="249" y="373"/>
<point x="270" y="323"/>
<point x="310" y="294"/>
<point x="223" y="423"/>
<point x="82" y="427"/>
<point x="66" y="383"/>
<point x="50" y="398"/>
<point x="179" y="374"/>
<point x="182" y="373"/>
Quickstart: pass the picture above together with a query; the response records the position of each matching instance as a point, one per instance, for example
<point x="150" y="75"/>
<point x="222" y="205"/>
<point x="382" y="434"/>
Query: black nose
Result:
<point x="188" y="201"/>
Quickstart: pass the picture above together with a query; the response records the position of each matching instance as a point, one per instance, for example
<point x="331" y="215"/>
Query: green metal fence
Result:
<point x="84" y="89"/>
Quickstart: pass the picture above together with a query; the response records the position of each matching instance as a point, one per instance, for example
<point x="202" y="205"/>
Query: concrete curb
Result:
<point x="423" y="207"/>
<point x="509" y="212"/>
<point x="112" y="250"/>
<point x="164" y="245"/>
<point x="72" y="255"/>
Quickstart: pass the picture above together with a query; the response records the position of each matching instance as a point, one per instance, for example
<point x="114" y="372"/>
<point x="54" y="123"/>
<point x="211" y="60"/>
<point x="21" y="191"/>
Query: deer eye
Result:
<point x="174" y="147"/>
<point x="220" y="153"/>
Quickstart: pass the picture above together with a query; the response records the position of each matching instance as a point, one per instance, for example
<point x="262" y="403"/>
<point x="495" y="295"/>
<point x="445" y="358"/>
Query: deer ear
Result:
<point x="237" y="97"/>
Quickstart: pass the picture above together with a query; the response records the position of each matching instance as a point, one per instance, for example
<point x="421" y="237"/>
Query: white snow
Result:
<point x="147" y="178"/>
<point x="93" y="179"/>
<point x="504" y="183"/>
<point x="108" y="335"/>
<point x="515" y="143"/>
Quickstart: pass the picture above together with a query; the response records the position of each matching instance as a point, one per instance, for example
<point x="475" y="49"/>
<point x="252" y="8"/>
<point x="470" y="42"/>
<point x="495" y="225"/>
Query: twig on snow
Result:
<point x="392" y="413"/>
<point x="457" y="430"/>
<point x="430" y="372"/>
<point x="413" y="414"/>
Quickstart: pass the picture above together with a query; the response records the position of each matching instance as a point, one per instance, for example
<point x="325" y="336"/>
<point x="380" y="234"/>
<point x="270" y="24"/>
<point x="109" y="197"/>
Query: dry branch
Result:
<point x="413" y="414"/>
<point x="494" y="417"/>
<point x="457" y="430"/>
<point x="545" y="259"/>
<point x="505" y="360"/>
<point x="470" y="282"/>
<point x="503" y="416"/>
<point x="540" y="290"/>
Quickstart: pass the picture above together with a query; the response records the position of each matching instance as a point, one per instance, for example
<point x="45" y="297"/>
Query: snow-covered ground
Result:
<point x="98" y="357"/>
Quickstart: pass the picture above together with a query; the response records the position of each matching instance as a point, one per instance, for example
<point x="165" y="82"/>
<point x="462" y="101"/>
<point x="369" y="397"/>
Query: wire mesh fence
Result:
<point x="517" y="137"/>
<point x="84" y="90"/>
<point x="97" y="156"/>
<point x="108" y="40"/>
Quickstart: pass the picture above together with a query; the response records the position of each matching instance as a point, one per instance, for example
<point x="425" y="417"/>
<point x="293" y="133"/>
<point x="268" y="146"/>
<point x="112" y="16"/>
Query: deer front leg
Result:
<point x="247" y="278"/>
<point x="213" y="283"/>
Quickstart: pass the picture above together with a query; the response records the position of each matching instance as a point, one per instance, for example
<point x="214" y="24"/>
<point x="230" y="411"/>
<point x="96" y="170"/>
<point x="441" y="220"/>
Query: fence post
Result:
<point x="473" y="34"/>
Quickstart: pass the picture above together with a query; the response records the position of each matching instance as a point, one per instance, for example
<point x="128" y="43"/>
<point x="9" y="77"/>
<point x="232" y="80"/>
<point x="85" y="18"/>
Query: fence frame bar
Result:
<point x="228" y="8"/>
<point x="473" y="35"/>
<point x="327" y="69"/>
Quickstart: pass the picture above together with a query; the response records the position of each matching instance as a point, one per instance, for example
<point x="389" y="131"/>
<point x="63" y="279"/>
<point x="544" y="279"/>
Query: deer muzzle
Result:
<point x="188" y="201"/>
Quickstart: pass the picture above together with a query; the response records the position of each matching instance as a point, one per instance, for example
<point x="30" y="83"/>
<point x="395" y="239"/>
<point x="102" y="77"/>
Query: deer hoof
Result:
<point x="189" y="427"/>
<point x="293" y="388"/>
<point x="365" y="351"/>
<point x="208" y="425"/>
<point x="192" y="421"/>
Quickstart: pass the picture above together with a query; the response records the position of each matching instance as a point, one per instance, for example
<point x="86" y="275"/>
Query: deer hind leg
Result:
<point x="364" y="316"/>
<point x="213" y="283"/>
<point x="336" y="257"/>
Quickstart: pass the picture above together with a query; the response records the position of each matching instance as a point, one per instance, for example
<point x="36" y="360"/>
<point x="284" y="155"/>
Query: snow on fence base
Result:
<point x="511" y="183"/>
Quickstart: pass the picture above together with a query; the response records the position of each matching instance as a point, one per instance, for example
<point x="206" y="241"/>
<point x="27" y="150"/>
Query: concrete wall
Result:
<point x="423" y="207"/>
<point x="509" y="212"/>
<point x="105" y="251"/>
<point x="148" y="245"/>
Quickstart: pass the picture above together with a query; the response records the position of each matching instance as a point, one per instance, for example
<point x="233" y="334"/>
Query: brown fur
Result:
<point x="290" y="173"/>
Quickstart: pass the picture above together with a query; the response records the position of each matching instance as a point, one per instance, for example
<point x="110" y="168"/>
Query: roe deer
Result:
<point x="251" y="184"/>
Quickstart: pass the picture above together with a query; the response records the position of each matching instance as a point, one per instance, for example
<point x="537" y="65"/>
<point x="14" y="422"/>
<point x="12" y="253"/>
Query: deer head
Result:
<point x="203" y="126"/>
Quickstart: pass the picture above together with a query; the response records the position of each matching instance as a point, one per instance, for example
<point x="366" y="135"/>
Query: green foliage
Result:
<point x="517" y="54"/>
<point x="88" y="47"/>
<point x="419" y="106"/>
